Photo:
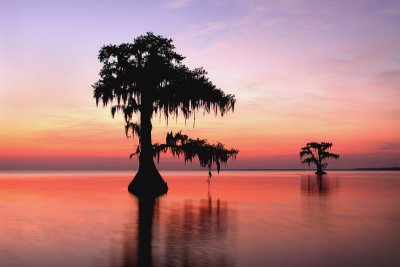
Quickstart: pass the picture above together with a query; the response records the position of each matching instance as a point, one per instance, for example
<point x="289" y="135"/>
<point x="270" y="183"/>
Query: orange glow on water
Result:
<point x="246" y="218"/>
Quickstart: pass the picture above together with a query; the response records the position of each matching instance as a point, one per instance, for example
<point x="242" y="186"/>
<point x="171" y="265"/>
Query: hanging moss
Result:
<point x="147" y="78"/>
<point x="208" y="154"/>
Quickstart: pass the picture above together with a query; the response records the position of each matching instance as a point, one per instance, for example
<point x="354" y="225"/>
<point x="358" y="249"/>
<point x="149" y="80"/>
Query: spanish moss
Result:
<point x="208" y="154"/>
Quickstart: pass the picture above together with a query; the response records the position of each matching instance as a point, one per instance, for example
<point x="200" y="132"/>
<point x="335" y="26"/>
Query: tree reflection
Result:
<point x="201" y="236"/>
<point x="317" y="200"/>
<point x="137" y="240"/>
<point x="193" y="233"/>
<point x="319" y="185"/>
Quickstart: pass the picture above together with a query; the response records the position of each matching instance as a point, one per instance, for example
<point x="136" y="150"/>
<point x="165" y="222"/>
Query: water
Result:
<point x="241" y="219"/>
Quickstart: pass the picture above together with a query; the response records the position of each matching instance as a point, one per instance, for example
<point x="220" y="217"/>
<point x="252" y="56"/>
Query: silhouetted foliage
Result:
<point x="190" y="148"/>
<point x="147" y="77"/>
<point x="316" y="153"/>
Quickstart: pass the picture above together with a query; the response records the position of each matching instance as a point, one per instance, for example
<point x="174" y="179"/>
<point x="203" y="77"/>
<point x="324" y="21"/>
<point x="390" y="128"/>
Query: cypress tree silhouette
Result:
<point x="148" y="77"/>
<point x="317" y="153"/>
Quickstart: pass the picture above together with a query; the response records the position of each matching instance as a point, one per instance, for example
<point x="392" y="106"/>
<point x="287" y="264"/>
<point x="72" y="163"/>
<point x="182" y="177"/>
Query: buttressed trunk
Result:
<point x="148" y="181"/>
<point x="320" y="170"/>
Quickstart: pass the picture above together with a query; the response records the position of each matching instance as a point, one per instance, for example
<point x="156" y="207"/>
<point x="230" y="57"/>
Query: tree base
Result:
<point x="148" y="184"/>
<point x="320" y="172"/>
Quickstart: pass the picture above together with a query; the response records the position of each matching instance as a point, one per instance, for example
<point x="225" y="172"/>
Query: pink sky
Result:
<point x="301" y="71"/>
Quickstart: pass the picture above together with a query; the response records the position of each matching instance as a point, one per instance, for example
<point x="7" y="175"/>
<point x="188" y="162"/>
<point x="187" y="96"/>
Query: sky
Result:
<point x="301" y="71"/>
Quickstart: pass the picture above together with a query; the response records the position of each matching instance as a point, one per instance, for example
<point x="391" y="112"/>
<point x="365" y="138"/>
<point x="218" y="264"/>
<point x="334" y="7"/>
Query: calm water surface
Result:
<point x="241" y="219"/>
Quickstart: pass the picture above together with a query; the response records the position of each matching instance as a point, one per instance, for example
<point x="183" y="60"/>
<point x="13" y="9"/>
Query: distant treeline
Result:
<point x="379" y="169"/>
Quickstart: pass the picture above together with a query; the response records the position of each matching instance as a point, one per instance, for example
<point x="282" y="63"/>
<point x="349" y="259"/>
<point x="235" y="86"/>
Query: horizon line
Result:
<point x="184" y="170"/>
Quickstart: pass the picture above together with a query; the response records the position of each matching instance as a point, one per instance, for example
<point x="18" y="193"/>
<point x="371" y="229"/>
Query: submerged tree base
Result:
<point x="148" y="184"/>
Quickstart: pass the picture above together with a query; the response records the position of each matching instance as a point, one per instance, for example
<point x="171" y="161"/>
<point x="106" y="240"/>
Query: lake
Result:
<point x="243" y="218"/>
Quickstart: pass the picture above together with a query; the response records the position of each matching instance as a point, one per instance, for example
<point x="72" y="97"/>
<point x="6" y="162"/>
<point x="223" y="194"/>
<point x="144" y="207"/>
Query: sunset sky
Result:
<point x="300" y="70"/>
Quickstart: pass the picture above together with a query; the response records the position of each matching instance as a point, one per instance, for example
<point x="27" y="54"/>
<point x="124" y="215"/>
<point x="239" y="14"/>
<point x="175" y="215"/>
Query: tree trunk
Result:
<point x="319" y="171"/>
<point x="148" y="181"/>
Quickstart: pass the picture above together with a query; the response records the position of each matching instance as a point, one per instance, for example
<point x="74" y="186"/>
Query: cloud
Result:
<point x="207" y="29"/>
<point x="391" y="78"/>
<point x="82" y="133"/>
<point x="390" y="146"/>
<point x="83" y="130"/>
<point x="177" y="4"/>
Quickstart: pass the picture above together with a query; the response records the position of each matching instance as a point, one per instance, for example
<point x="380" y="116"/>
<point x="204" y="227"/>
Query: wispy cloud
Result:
<point x="300" y="69"/>
<point x="392" y="146"/>
<point x="177" y="4"/>
<point x="207" y="29"/>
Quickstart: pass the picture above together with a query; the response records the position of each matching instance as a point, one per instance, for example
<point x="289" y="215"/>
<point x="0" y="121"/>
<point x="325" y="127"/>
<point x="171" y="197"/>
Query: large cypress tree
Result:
<point x="147" y="77"/>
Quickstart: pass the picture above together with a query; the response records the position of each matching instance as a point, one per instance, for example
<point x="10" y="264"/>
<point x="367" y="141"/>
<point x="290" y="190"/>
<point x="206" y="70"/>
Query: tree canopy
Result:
<point x="150" y="67"/>
<point x="316" y="153"/>
<point x="148" y="77"/>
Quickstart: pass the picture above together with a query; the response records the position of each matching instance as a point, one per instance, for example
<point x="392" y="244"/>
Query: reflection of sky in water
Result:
<point x="246" y="219"/>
